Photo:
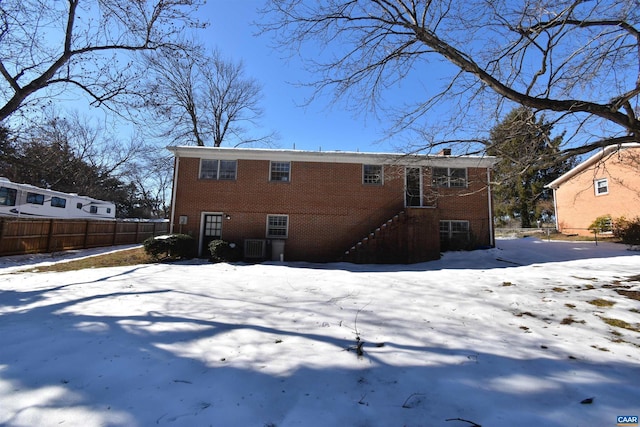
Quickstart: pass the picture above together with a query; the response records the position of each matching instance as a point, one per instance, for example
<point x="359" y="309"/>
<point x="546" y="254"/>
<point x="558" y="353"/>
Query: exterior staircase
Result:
<point x="411" y="235"/>
<point x="380" y="245"/>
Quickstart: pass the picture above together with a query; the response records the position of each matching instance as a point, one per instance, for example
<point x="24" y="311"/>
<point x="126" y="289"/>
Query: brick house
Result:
<point x="330" y="206"/>
<point x="608" y="183"/>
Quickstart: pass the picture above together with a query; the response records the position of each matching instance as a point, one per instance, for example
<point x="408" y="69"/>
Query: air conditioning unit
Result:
<point x="255" y="248"/>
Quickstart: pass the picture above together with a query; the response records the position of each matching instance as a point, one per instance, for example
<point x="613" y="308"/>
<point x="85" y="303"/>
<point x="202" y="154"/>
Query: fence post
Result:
<point x="50" y="235"/>
<point x="86" y="234"/>
<point x="115" y="232"/>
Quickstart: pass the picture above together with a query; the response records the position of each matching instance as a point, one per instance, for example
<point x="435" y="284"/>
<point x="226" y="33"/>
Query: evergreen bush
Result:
<point x="628" y="230"/>
<point x="170" y="247"/>
<point x="222" y="251"/>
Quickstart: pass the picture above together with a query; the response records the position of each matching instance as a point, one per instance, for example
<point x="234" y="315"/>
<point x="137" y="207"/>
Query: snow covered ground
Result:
<point x="503" y="337"/>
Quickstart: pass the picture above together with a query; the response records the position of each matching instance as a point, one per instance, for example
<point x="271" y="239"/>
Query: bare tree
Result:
<point x="205" y="99"/>
<point x="576" y="60"/>
<point x="50" y="47"/>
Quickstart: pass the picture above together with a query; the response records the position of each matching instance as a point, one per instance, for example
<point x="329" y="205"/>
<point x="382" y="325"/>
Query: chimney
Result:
<point x="445" y="152"/>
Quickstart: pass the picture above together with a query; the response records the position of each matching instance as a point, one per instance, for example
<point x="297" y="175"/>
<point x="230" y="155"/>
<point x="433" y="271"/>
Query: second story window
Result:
<point x="280" y="171"/>
<point x="601" y="186"/>
<point x="449" y="177"/>
<point x="218" y="169"/>
<point x="372" y="174"/>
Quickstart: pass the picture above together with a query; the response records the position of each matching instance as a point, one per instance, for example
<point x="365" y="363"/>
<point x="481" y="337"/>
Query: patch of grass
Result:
<point x="559" y="289"/>
<point x="635" y="310"/>
<point x="617" y="323"/>
<point x="599" y="302"/>
<point x="570" y="305"/>
<point x="600" y="348"/>
<point x="507" y="284"/>
<point x="115" y="259"/>
<point x="591" y="279"/>
<point x="629" y="294"/>
<point x="525" y="313"/>
<point x="570" y="320"/>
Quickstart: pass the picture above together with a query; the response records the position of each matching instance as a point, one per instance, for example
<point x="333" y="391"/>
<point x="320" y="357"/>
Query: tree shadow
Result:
<point x="66" y="360"/>
<point x="508" y="253"/>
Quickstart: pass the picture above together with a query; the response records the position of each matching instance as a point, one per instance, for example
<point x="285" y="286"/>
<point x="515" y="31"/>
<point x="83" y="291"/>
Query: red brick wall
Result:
<point x="329" y="207"/>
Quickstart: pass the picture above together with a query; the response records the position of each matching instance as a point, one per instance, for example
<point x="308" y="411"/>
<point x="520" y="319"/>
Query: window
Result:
<point x="58" y="202"/>
<point x="449" y="177"/>
<point x="93" y="209"/>
<point x="277" y="226"/>
<point x="372" y="174"/>
<point x="78" y="205"/>
<point x="454" y="235"/>
<point x="227" y="170"/>
<point x="601" y="186"/>
<point x="8" y="196"/>
<point x="108" y="210"/>
<point x="218" y="169"/>
<point x="280" y="171"/>
<point x="35" y="198"/>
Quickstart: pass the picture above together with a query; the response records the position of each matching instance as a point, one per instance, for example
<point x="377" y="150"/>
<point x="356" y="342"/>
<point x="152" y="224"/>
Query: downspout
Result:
<point x="174" y="191"/>
<point x="492" y="240"/>
<point x="555" y="209"/>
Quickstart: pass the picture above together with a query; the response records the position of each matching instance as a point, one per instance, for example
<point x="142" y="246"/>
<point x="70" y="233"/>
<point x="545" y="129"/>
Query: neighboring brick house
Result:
<point x="329" y="206"/>
<point x="608" y="183"/>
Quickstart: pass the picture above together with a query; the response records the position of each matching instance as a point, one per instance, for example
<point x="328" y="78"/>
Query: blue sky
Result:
<point x="319" y="125"/>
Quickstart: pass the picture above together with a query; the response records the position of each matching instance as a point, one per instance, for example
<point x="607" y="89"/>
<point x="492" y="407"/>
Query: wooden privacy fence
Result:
<point x="27" y="236"/>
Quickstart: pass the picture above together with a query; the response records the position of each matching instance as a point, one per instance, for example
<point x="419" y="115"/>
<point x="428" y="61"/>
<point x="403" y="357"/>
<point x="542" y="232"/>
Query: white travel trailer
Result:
<point x="28" y="201"/>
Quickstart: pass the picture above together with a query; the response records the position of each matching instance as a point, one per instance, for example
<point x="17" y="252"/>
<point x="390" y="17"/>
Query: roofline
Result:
<point x="226" y="153"/>
<point x="555" y="184"/>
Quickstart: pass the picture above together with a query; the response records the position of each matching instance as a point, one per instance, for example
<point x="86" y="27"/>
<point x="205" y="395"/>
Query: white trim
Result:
<point x="226" y="153"/>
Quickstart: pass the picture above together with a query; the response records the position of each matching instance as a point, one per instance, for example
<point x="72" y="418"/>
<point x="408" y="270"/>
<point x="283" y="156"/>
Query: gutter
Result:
<point x="176" y="166"/>
<point x="492" y="238"/>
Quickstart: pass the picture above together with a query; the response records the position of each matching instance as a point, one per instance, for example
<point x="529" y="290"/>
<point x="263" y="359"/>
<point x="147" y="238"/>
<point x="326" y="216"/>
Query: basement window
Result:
<point x="277" y="226"/>
<point x="454" y="235"/>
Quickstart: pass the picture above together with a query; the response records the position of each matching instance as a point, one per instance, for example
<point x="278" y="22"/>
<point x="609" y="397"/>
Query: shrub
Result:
<point x="171" y="247"/>
<point x="222" y="251"/>
<point x="628" y="230"/>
